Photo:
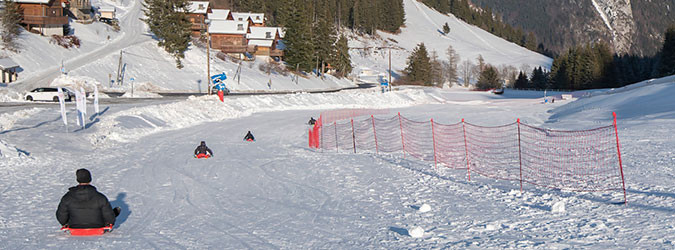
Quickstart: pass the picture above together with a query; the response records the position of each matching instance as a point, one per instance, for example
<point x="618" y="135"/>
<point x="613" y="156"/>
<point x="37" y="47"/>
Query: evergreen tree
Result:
<point x="538" y="79"/>
<point x="667" y="64"/>
<point x="10" y="18"/>
<point x="342" y="62"/>
<point x="488" y="79"/>
<point x="323" y="38"/>
<point x="419" y="66"/>
<point x="521" y="82"/>
<point x="298" y="38"/>
<point x="446" y="28"/>
<point x="437" y="75"/>
<point x="168" y="20"/>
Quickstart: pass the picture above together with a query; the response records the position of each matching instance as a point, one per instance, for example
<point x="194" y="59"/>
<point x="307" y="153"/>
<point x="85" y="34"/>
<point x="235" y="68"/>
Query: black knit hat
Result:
<point x="83" y="176"/>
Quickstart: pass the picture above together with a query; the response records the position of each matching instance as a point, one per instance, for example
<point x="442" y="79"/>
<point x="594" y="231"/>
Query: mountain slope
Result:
<point x="424" y="24"/>
<point x="634" y="27"/>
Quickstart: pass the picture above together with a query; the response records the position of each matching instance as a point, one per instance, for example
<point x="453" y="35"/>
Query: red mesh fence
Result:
<point x="585" y="160"/>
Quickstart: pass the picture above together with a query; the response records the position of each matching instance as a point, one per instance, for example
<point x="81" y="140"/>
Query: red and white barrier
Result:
<point x="583" y="160"/>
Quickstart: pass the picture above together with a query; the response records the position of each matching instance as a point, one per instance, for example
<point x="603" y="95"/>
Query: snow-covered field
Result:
<point x="277" y="193"/>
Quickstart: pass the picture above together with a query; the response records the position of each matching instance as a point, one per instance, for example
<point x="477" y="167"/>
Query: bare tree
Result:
<point x="10" y="17"/>
<point x="466" y="70"/>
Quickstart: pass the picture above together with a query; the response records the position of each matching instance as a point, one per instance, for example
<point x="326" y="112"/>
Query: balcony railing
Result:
<point x="276" y="52"/>
<point x="58" y="20"/>
<point x="238" y="48"/>
<point x="198" y="26"/>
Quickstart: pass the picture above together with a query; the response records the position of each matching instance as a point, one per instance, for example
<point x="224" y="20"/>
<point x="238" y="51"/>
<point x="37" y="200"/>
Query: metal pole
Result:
<point x="468" y="169"/>
<point x="377" y="151"/>
<point x="401" y="126"/>
<point x="618" y="150"/>
<point x="353" y="136"/>
<point x="336" y="136"/>
<point x="520" y="158"/>
<point x="433" y="137"/>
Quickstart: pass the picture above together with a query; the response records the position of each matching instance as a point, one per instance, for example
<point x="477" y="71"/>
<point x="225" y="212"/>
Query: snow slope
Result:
<point x="276" y="193"/>
<point x="424" y="24"/>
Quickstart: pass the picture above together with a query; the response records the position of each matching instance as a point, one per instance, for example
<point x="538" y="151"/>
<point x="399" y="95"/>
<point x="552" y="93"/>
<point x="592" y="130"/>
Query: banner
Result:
<point x="96" y="99"/>
<point x="63" y="107"/>
<point x="84" y="101"/>
<point x="78" y="105"/>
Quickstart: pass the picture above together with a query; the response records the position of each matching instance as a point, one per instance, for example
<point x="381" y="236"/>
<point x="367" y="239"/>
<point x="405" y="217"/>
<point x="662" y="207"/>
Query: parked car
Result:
<point x="48" y="94"/>
<point x="498" y="91"/>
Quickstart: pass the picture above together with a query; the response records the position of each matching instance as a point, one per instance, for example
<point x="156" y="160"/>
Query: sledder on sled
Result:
<point x="249" y="137"/>
<point x="203" y="152"/>
<point x="83" y="210"/>
<point x="311" y="121"/>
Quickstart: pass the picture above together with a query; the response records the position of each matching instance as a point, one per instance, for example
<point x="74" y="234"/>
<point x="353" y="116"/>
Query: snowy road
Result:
<point x="277" y="194"/>
<point x="134" y="33"/>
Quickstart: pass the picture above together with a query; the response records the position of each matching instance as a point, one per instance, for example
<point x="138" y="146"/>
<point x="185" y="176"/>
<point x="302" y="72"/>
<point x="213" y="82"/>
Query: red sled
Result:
<point x="87" y="231"/>
<point x="250" y="140"/>
<point x="202" y="156"/>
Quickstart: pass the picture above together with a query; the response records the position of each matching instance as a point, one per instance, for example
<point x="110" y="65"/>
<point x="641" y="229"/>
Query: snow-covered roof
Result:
<point x="257" y="18"/>
<point x="228" y="27"/>
<point x="7" y="63"/>
<point x="32" y="1"/>
<point x="263" y="33"/>
<point x="198" y="7"/>
<point x="261" y="43"/>
<point x="218" y="14"/>
<point x="282" y="32"/>
<point x="106" y="9"/>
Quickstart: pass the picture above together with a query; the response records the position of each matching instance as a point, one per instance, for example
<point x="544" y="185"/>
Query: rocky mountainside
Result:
<point x="633" y="27"/>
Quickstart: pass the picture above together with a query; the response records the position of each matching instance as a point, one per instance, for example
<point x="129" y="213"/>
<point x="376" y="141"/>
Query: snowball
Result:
<point x="424" y="208"/>
<point x="490" y="227"/>
<point x="416" y="232"/>
<point x="558" y="207"/>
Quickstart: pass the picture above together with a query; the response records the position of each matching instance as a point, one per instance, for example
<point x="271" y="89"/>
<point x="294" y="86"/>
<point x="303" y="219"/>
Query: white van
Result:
<point x="48" y="94"/>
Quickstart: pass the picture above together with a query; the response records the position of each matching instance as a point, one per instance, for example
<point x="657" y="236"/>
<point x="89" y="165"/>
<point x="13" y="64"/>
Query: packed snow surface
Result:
<point x="277" y="193"/>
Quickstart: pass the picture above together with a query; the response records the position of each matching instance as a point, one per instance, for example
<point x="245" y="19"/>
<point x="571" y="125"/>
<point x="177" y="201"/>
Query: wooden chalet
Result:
<point x="230" y="36"/>
<point x="197" y="16"/>
<point x="254" y="19"/>
<point x="220" y="14"/>
<point x="44" y="16"/>
<point x="81" y="9"/>
<point x="8" y="70"/>
<point x="265" y="39"/>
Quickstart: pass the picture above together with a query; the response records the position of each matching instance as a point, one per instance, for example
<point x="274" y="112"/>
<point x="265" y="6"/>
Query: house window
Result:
<point x="240" y="26"/>
<point x="257" y="18"/>
<point x="268" y="35"/>
<point x="201" y="6"/>
<point x="241" y="19"/>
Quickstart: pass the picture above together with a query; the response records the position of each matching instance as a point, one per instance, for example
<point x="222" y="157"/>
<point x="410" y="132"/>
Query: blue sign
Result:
<point x="215" y="79"/>
<point x="131" y="79"/>
<point x="220" y="86"/>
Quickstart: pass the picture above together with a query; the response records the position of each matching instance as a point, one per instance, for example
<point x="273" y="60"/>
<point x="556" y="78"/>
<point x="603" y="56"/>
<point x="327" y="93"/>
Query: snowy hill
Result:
<point x="424" y="24"/>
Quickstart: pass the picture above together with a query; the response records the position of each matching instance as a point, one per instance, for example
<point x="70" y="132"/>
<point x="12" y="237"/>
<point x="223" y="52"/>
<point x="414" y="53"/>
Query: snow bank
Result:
<point x="76" y="82"/>
<point x="647" y="99"/>
<point x="9" y="95"/>
<point x="7" y="120"/>
<point x="131" y="124"/>
<point x="7" y="151"/>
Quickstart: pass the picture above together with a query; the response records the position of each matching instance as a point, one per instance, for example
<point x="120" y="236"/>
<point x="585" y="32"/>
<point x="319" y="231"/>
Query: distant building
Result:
<point x="107" y="12"/>
<point x="8" y="69"/>
<point x="46" y="17"/>
<point x="254" y="19"/>
<point x="198" y="11"/>
<point x="220" y="14"/>
<point x="81" y="9"/>
<point x="266" y="40"/>
<point x="230" y="36"/>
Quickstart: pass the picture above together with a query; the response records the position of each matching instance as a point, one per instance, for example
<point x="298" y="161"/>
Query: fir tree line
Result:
<point x="427" y="69"/>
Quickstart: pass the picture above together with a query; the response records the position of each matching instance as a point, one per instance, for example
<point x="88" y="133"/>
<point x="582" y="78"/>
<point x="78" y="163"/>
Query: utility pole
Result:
<point x="389" y="83"/>
<point x="208" y="61"/>
<point x="119" y="70"/>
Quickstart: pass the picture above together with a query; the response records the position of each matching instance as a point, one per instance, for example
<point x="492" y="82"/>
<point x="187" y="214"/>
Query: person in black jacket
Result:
<point x="249" y="137"/>
<point x="311" y="121"/>
<point x="84" y="207"/>
<point x="203" y="149"/>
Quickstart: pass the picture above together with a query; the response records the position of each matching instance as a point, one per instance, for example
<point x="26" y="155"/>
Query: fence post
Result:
<point x="353" y="136"/>
<point x="321" y="130"/>
<point x="466" y="149"/>
<point x="433" y="138"/>
<point x="336" y="137"/>
<point x="520" y="158"/>
<point x="401" y="126"/>
<point x="618" y="150"/>
<point x="377" y="151"/>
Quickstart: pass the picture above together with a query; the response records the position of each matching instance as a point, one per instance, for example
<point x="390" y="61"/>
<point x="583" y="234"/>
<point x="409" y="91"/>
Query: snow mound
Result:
<point x="424" y="208"/>
<point x="75" y="82"/>
<point x="8" y="120"/>
<point x="416" y="232"/>
<point x="558" y="207"/>
<point x="9" y="95"/>
<point x="134" y="123"/>
<point x="651" y="99"/>
<point x="8" y="151"/>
